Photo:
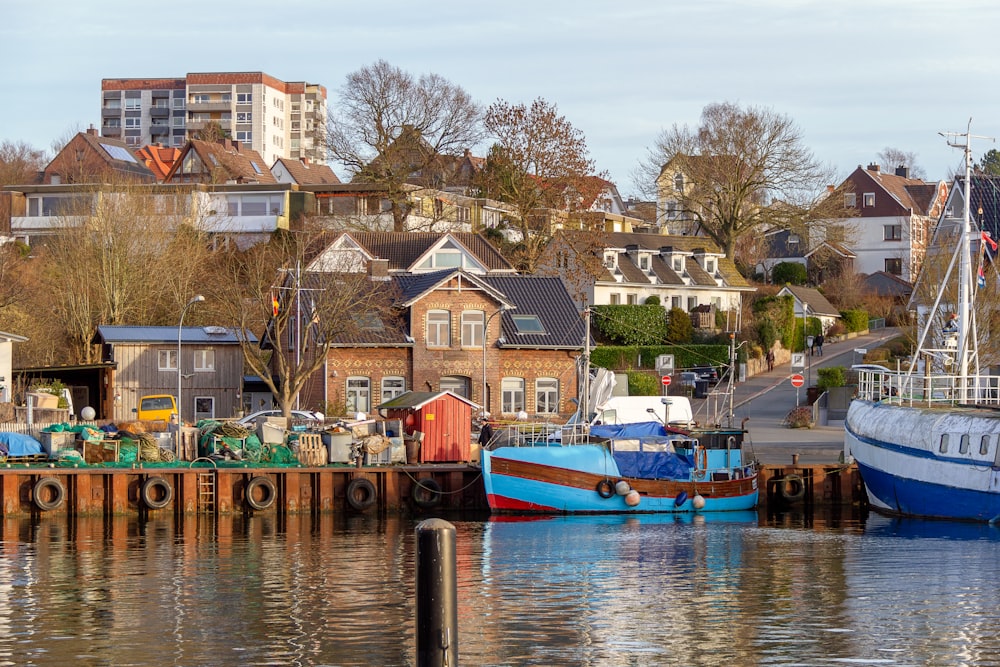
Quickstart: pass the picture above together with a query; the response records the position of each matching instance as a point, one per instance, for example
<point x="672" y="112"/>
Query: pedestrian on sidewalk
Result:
<point x="819" y="345"/>
<point x="770" y="360"/>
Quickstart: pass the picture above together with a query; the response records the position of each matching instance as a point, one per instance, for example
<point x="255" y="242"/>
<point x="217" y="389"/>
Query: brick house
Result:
<point x="515" y="339"/>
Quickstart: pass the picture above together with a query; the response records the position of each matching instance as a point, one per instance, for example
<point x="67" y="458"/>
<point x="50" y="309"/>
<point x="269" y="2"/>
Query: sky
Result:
<point x="854" y="76"/>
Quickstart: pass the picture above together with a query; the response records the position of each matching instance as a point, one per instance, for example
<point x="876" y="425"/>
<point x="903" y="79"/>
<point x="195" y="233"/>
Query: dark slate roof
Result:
<point x="664" y="272"/>
<point x="412" y="285"/>
<point x="403" y="249"/>
<point x="548" y="299"/>
<point x="984" y="191"/>
<point x="115" y="334"/>
<point x="886" y="284"/>
<point x="779" y="246"/>
<point x="418" y="399"/>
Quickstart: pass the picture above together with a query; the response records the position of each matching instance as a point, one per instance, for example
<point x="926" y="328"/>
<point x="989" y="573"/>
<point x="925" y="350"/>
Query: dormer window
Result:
<point x="609" y="260"/>
<point x="677" y="263"/>
<point x="710" y="264"/>
<point x="644" y="262"/>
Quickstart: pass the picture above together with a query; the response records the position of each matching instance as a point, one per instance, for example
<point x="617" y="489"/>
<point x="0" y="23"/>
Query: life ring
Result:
<point x="156" y="493"/>
<point x="361" y="494"/>
<point x="270" y="493"/>
<point x="605" y="489"/>
<point x="48" y="485"/>
<point x="426" y="493"/>
<point x="792" y="488"/>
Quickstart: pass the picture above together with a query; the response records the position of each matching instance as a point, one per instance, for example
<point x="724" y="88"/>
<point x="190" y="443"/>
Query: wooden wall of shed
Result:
<point x="139" y="375"/>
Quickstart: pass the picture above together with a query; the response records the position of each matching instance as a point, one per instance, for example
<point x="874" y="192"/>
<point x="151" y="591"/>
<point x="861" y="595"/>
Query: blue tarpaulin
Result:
<point x="653" y="465"/>
<point x="18" y="444"/>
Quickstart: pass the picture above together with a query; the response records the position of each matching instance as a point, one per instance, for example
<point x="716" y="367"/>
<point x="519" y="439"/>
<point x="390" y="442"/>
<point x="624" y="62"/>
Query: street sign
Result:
<point x="665" y="363"/>
<point x="798" y="359"/>
<point x="797" y="380"/>
<point x="665" y="380"/>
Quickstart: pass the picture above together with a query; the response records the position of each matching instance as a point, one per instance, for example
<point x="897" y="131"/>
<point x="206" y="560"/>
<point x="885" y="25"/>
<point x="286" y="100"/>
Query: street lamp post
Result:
<point x="486" y="328"/>
<point x="195" y="299"/>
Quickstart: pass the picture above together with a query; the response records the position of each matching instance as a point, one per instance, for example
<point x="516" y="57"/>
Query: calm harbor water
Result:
<point x="331" y="590"/>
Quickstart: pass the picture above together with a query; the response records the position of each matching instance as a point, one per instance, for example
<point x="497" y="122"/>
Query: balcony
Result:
<point x="111" y="131"/>
<point x="159" y="112"/>
<point x="195" y="125"/>
<point x="209" y="106"/>
<point x="111" y="112"/>
<point x="159" y="130"/>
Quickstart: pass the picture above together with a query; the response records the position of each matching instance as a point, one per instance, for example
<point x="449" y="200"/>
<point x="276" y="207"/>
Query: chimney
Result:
<point x="304" y="160"/>
<point x="873" y="167"/>
<point x="92" y="131"/>
<point x="903" y="170"/>
<point x="378" y="270"/>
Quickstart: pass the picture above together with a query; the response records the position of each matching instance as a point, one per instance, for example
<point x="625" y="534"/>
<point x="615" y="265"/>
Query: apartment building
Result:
<point x="277" y="119"/>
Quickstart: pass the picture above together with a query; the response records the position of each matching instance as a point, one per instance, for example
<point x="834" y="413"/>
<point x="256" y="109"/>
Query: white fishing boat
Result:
<point x="926" y="435"/>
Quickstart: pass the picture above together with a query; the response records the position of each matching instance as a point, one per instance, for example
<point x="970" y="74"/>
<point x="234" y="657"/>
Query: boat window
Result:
<point x="984" y="445"/>
<point x="963" y="444"/>
<point x="944" y="443"/>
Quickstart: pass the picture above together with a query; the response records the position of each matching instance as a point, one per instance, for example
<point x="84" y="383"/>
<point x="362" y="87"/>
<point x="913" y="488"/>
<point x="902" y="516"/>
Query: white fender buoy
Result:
<point x="698" y="502"/>
<point x="632" y="499"/>
<point x="622" y="487"/>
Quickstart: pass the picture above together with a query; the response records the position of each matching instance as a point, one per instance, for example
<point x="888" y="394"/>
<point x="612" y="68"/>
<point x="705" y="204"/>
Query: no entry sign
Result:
<point x="797" y="380"/>
<point x="665" y="380"/>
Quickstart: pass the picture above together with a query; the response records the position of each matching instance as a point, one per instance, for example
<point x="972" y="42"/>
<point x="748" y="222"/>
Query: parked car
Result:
<point x="304" y="415"/>
<point x="710" y="373"/>
<point x="686" y="379"/>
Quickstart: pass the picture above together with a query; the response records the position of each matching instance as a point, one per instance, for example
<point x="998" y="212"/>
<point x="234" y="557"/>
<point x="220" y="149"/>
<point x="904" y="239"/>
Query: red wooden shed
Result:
<point x="444" y="418"/>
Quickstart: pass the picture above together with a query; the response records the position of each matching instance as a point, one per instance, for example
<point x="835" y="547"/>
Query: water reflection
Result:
<point x="637" y="590"/>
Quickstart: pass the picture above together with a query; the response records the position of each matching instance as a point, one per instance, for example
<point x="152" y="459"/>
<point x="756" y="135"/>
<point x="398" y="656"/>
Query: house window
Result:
<point x="546" y="396"/>
<point x="438" y="328"/>
<point x="679" y="182"/>
<point x="692" y="303"/>
<point x="244" y="98"/>
<point x="710" y="264"/>
<point x="894" y="265"/>
<point x="512" y="395"/>
<point x="456" y="384"/>
<point x="850" y="200"/>
<point x="200" y="99"/>
<point x="133" y="122"/>
<point x="167" y="360"/>
<point x="675" y="302"/>
<point x="204" y="361"/>
<point x="358" y="392"/>
<point x="609" y="260"/>
<point x="528" y="324"/>
<point x="245" y="137"/>
<point x="616" y="299"/>
<point x="869" y="200"/>
<point x="632" y="299"/>
<point x="393" y="386"/>
<point x="472" y="328"/>
<point x="892" y="232"/>
<point x="133" y="103"/>
<point x="244" y="117"/>
<point x="204" y="407"/>
<point x="644" y="262"/>
<point x="678" y="263"/>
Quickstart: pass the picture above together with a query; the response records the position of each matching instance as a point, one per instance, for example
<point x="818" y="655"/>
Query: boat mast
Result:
<point x="584" y="406"/>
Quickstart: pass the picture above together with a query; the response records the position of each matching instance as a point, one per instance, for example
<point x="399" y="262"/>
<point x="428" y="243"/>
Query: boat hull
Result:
<point x="914" y="461"/>
<point x="565" y="480"/>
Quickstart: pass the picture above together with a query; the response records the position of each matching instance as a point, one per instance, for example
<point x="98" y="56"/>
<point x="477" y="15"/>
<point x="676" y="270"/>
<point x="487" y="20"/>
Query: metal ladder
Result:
<point x="206" y="491"/>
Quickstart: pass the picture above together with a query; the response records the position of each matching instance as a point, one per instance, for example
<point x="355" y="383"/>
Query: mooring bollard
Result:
<point x="436" y="595"/>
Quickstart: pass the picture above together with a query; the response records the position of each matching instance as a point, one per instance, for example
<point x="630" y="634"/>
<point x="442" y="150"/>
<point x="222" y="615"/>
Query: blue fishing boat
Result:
<point x="926" y="436"/>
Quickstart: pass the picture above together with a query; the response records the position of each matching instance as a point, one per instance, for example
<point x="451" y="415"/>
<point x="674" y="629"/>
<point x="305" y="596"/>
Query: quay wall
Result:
<point x="27" y="489"/>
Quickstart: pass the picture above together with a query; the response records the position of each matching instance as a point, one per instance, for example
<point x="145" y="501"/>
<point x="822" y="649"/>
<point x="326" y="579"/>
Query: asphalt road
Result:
<point x="766" y="399"/>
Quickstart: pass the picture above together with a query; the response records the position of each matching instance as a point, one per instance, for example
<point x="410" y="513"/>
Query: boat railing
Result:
<point x="901" y="388"/>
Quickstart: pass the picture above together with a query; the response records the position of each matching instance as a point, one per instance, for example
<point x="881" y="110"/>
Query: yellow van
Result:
<point x="159" y="407"/>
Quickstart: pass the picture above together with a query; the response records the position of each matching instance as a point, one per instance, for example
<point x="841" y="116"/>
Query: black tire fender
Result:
<point x="156" y="493"/>
<point x="45" y="485"/>
<point x="361" y="494"/>
<point x="270" y="493"/>
<point x="793" y="489"/>
<point x="426" y="493"/>
<point x="605" y="489"/>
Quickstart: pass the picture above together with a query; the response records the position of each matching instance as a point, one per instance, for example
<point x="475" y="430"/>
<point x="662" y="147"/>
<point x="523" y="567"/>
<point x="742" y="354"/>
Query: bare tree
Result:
<point x="390" y="129"/>
<point x="298" y="314"/>
<point x="113" y="261"/>
<point x="891" y="158"/>
<point x="539" y="160"/>
<point x="20" y="163"/>
<point x="745" y="170"/>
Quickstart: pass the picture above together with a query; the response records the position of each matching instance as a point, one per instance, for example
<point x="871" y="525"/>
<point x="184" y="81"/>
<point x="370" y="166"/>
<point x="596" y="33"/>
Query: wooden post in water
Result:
<point x="436" y="595"/>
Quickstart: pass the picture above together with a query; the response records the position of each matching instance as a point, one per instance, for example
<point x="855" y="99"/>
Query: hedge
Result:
<point x="854" y="320"/>
<point x="630" y="324"/>
<point x="617" y="357"/>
